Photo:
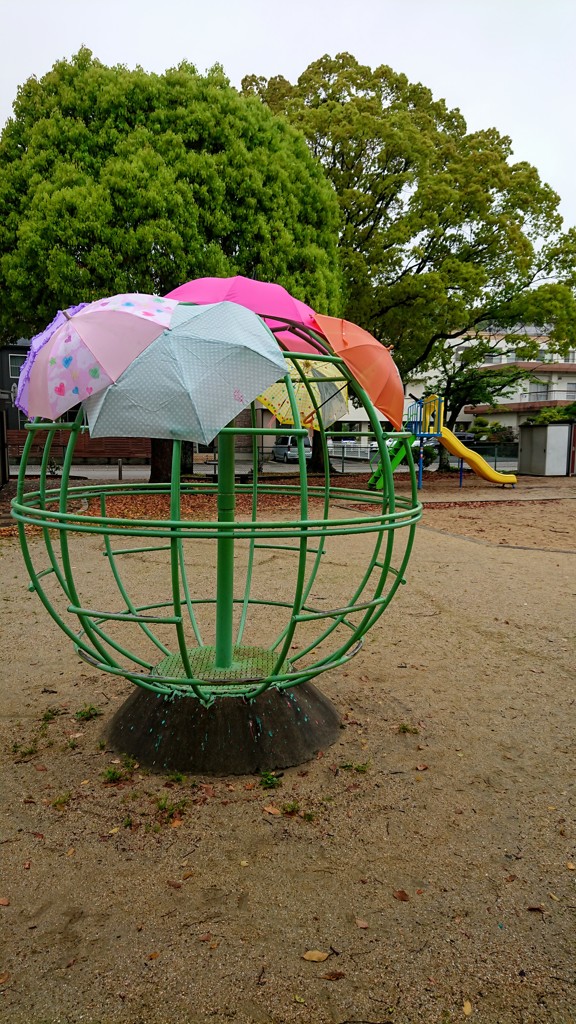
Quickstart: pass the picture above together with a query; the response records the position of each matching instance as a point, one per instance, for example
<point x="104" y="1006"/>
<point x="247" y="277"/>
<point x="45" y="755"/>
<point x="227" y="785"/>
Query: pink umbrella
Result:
<point x="79" y="358"/>
<point x="280" y="310"/>
<point x="36" y="343"/>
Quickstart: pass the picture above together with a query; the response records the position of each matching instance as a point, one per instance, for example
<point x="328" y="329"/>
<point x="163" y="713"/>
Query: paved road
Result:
<point x="132" y="473"/>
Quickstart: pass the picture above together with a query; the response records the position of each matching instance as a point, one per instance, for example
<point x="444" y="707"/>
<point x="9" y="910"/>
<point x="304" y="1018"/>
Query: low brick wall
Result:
<point x="88" y="449"/>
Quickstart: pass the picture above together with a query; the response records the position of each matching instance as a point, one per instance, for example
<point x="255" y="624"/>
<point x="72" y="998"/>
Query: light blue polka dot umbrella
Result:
<point x="191" y="381"/>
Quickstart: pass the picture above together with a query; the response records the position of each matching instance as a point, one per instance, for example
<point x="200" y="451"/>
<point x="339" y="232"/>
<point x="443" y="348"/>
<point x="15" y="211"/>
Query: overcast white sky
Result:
<point x="505" y="63"/>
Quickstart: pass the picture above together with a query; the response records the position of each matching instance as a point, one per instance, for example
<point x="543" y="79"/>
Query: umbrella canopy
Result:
<point x="369" y="362"/>
<point x="192" y="380"/>
<point x="38" y="342"/>
<point x="83" y="352"/>
<point x="272" y="302"/>
<point x="331" y="395"/>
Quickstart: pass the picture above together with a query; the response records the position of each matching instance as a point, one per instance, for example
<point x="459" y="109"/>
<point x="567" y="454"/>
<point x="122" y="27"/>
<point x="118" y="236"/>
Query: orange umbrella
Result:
<point x="369" y="362"/>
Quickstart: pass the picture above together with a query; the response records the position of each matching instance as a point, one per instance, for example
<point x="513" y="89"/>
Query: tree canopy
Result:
<point x="114" y="180"/>
<point x="441" y="231"/>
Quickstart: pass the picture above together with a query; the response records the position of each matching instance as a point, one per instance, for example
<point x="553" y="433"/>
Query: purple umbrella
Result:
<point x="37" y="343"/>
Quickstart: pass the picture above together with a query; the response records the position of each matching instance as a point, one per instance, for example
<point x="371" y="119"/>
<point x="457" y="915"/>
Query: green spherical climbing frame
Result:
<point x="230" y="639"/>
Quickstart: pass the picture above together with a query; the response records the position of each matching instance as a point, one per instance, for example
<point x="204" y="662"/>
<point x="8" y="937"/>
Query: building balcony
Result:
<point x="523" y="404"/>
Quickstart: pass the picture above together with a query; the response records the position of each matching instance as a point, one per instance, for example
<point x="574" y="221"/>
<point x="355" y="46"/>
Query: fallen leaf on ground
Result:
<point x="571" y="866"/>
<point x="333" y="975"/>
<point x="70" y="852"/>
<point x="421" y="767"/>
<point x="176" y="822"/>
<point x="153" y="956"/>
<point x="205" y="938"/>
<point x="40" y="768"/>
<point x="361" y="924"/>
<point x="113" y="831"/>
<point x="4" y="978"/>
<point x="187" y="874"/>
<point x="173" y="884"/>
<point x="315" y="955"/>
<point x="207" y="788"/>
<point x="270" y="809"/>
<point x="4" y="901"/>
<point x="467" y="1008"/>
<point x="26" y="865"/>
<point x="401" y="895"/>
<point x="553" y="897"/>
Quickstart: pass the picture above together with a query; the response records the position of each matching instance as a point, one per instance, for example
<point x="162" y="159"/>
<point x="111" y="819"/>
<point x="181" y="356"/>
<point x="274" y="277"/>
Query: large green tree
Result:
<point x="114" y="180"/>
<point x="441" y="230"/>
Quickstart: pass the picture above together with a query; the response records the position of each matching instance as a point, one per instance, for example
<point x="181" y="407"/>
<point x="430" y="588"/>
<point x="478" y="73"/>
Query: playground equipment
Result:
<point x="474" y="460"/>
<point x="423" y="419"/>
<point x="424" y="422"/>
<point x="216" y="651"/>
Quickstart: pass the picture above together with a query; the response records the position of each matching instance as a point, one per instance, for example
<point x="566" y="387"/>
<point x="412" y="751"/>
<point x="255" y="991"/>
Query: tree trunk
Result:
<point x="187" y="457"/>
<point x="160" y="461"/>
<point x="316" y="462"/>
<point x="443" y="460"/>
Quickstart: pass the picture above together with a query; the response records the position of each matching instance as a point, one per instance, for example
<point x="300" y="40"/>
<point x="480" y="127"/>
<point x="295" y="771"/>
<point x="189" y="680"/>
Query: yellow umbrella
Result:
<point x="324" y="384"/>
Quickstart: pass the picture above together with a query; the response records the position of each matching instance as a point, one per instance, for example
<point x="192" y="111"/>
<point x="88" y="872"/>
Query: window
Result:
<point x="69" y="416"/>
<point x="537" y="391"/>
<point x="571" y="357"/>
<point x="15" y="364"/>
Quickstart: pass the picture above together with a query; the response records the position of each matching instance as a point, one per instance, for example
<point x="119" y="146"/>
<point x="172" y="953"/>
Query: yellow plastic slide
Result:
<point x="475" y="461"/>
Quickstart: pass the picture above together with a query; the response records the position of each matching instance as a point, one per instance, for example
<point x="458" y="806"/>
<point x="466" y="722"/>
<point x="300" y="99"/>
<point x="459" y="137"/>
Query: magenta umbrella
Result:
<point x="281" y="311"/>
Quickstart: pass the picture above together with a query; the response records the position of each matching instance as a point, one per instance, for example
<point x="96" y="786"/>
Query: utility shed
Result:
<point x="547" y="450"/>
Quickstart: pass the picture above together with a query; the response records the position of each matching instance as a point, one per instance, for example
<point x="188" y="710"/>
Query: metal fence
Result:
<point x="502" y="457"/>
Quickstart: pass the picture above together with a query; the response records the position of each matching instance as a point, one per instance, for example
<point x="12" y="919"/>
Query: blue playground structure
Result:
<point x="424" y="421"/>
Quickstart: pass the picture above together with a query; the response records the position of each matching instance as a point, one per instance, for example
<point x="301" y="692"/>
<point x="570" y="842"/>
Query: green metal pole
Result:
<point x="225" y="555"/>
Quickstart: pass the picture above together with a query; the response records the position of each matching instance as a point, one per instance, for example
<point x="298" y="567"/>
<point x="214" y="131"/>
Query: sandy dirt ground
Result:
<point x="429" y="854"/>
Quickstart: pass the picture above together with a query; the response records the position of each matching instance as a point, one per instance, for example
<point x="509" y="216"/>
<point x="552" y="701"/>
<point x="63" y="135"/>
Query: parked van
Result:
<point x="285" y="449"/>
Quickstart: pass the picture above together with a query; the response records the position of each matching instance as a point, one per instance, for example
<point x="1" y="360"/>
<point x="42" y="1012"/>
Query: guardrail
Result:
<point x="349" y="451"/>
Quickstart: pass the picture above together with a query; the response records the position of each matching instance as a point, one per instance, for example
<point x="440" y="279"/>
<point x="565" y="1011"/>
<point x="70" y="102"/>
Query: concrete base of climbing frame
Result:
<point x="278" y="729"/>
